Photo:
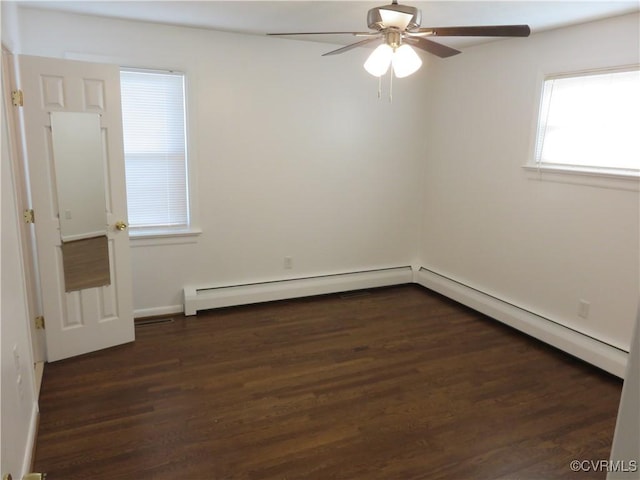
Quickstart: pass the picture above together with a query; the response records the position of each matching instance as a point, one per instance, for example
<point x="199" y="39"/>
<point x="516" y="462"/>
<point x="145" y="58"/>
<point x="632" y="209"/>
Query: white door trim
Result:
<point x="34" y="306"/>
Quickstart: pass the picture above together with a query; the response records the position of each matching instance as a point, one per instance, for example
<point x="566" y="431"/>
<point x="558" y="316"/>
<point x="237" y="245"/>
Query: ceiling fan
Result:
<point x="397" y="27"/>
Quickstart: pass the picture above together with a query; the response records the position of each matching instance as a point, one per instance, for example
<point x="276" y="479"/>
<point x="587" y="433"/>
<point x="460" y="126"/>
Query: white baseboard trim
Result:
<point x="157" y="311"/>
<point x="30" y="446"/>
<point x="204" y="297"/>
<point x="602" y="355"/>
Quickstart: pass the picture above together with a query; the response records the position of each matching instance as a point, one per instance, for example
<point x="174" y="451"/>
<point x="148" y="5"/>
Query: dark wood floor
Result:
<point x="396" y="383"/>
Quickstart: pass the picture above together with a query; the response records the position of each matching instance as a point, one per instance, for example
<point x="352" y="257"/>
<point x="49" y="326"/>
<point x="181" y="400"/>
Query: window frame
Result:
<point x="142" y="236"/>
<point x="617" y="178"/>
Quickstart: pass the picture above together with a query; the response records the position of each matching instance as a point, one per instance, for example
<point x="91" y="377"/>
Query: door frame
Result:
<point x="27" y="232"/>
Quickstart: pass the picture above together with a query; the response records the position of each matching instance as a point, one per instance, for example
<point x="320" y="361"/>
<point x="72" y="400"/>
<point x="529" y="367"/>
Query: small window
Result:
<point x="153" y="117"/>
<point x="590" y="122"/>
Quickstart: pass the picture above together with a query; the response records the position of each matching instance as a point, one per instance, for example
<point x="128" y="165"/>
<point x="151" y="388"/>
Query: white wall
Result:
<point x="541" y="245"/>
<point x="9" y="26"/>
<point x="18" y="399"/>
<point x="294" y="154"/>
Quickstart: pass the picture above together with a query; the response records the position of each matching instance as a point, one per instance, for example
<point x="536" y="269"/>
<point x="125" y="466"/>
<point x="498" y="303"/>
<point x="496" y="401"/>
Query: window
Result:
<point x="153" y="116"/>
<point x="590" y="123"/>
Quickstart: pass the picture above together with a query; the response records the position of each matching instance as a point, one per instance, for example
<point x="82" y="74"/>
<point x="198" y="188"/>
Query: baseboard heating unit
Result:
<point x="206" y="297"/>
<point x="580" y="345"/>
<point x="607" y="357"/>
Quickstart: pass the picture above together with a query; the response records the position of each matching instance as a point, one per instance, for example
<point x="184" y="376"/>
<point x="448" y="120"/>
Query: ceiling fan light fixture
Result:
<point x="405" y="61"/>
<point x="396" y="24"/>
<point x="379" y="61"/>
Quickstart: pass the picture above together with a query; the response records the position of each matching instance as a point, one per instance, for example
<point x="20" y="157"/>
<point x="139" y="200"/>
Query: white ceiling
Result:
<point x="260" y="17"/>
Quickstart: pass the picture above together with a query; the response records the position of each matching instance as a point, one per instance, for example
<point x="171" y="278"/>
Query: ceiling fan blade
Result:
<point x="359" y="34"/>
<point x="434" y="48"/>
<point x="361" y="43"/>
<point x="478" y="31"/>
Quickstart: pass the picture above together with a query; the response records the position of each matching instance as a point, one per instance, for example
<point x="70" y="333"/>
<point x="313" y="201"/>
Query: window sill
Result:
<point x="144" y="238"/>
<point x="584" y="176"/>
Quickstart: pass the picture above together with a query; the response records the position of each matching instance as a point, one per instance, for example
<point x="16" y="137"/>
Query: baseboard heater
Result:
<point x="207" y="297"/>
<point x="580" y="345"/>
<point x="607" y="357"/>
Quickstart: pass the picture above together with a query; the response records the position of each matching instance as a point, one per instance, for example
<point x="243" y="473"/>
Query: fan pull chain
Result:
<point x="390" y="86"/>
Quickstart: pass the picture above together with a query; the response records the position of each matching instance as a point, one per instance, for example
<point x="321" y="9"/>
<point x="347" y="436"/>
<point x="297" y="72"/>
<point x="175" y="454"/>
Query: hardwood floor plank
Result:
<point x="395" y="383"/>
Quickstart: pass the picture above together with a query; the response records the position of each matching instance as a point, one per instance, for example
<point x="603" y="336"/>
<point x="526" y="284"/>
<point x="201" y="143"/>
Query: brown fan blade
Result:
<point x="361" y="43"/>
<point x="478" y="31"/>
<point x="437" y="49"/>
<point x="359" y="34"/>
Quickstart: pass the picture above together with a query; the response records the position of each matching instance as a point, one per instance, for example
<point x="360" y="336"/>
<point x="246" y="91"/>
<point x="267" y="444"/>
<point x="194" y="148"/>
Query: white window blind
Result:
<point x="591" y="122"/>
<point x="153" y="115"/>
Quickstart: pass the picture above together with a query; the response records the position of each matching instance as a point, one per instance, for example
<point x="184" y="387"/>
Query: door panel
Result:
<point x="91" y="319"/>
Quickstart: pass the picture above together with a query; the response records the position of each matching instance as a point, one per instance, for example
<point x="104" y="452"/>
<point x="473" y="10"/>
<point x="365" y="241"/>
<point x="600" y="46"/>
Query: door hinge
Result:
<point x="39" y="321"/>
<point x="29" y="216"/>
<point x="35" y="476"/>
<point x="17" y="98"/>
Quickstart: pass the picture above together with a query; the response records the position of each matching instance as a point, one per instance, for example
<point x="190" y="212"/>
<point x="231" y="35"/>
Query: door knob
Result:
<point x="120" y="225"/>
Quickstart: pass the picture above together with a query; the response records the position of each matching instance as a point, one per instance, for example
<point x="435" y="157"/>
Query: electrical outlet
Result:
<point x="288" y="263"/>
<point x="583" y="309"/>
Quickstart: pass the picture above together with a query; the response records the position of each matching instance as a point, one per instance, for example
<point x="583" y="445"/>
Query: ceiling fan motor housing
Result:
<point x="376" y="22"/>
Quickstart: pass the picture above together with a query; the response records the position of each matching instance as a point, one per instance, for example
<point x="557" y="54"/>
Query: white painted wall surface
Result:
<point x="540" y="245"/>
<point x="294" y="154"/>
<point x="18" y="402"/>
<point x="9" y="26"/>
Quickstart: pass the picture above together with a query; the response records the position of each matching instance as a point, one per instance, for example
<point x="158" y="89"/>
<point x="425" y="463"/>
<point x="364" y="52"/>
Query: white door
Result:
<point x="91" y="319"/>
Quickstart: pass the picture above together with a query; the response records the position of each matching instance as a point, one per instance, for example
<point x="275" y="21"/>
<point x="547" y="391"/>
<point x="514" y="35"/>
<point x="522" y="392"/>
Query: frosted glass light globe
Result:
<point x="405" y="61"/>
<point x="378" y="62"/>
